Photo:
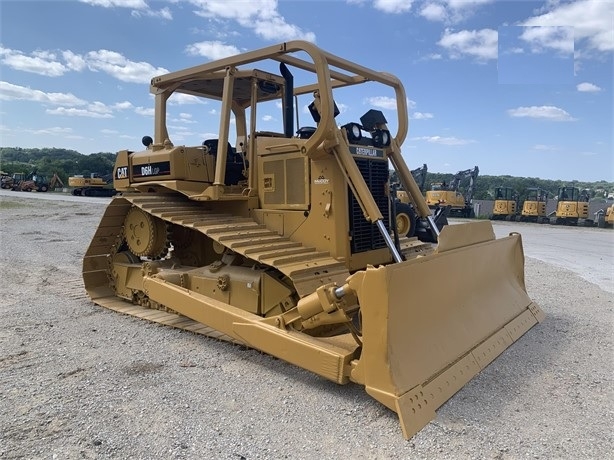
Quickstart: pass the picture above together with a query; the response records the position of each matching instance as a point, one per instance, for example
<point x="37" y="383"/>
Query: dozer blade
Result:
<point x="432" y="323"/>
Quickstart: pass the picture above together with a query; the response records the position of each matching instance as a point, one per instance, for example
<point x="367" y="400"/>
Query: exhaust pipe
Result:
<point x="288" y="100"/>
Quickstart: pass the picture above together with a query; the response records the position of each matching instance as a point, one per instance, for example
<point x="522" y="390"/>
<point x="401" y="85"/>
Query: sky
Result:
<point x="520" y="88"/>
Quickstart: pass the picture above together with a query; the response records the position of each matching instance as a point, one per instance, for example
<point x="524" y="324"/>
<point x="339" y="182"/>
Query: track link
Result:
<point x="307" y="267"/>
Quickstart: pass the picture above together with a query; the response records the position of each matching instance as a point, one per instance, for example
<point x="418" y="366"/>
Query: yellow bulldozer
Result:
<point x="283" y="241"/>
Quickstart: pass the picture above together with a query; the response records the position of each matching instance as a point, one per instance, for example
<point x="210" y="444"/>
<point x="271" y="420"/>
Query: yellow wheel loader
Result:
<point x="506" y="204"/>
<point x="282" y="240"/>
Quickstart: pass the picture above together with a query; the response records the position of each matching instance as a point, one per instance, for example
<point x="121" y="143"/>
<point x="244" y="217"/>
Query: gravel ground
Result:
<point x="79" y="381"/>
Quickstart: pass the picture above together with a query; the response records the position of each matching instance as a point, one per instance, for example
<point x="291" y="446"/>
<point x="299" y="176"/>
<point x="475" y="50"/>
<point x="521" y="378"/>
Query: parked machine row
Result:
<point x="507" y="207"/>
<point x="28" y="182"/>
<point x="79" y="185"/>
<point x="572" y="207"/>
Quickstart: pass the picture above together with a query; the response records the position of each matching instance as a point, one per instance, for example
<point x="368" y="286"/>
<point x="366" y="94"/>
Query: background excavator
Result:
<point x="55" y="182"/>
<point x="506" y="204"/>
<point x="92" y="186"/>
<point x="283" y="240"/>
<point x="403" y="209"/>
<point x="572" y="207"/>
<point x="444" y="195"/>
<point x="534" y="206"/>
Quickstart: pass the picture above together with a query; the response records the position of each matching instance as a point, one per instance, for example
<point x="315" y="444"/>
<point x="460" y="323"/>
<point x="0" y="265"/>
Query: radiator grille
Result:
<point x="364" y="235"/>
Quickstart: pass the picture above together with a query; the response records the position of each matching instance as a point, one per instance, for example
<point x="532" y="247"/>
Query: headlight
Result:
<point x="381" y="138"/>
<point x="354" y="132"/>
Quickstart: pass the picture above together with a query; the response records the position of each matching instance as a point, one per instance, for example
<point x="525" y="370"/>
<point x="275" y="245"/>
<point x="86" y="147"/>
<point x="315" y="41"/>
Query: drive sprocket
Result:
<point x="145" y="234"/>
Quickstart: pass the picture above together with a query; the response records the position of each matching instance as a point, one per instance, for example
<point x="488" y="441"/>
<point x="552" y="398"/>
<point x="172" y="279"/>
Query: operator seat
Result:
<point x="234" y="161"/>
<point x="305" y="132"/>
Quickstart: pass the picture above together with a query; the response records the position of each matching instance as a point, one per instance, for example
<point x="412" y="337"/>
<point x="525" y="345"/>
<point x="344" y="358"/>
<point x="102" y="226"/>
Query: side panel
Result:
<point x="284" y="181"/>
<point x="572" y="209"/>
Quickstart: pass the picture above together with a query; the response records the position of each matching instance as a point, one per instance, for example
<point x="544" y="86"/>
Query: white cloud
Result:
<point x="116" y="65"/>
<point x="138" y="7"/>
<point x="591" y="21"/>
<point x="481" y="44"/>
<point x="42" y="63"/>
<point x="212" y="49"/>
<point x="163" y="13"/>
<point x="74" y="112"/>
<point x="9" y="92"/>
<point x="267" y="118"/>
<point x="261" y="16"/>
<point x="122" y="105"/>
<point x="74" y="61"/>
<point x="421" y="116"/>
<point x="134" y="4"/>
<point x="544" y="112"/>
<point x="393" y="6"/>
<point x="149" y="112"/>
<point x="390" y="103"/>
<point x="184" y="129"/>
<point x="54" y="131"/>
<point x="459" y="4"/>
<point x="48" y="63"/>
<point x="382" y="102"/>
<point x="183" y="99"/>
<point x="586" y="87"/>
<point x="434" y="12"/>
<point x="450" y="11"/>
<point x="68" y="104"/>
<point x="444" y="140"/>
<point x="100" y="108"/>
<point x="541" y="38"/>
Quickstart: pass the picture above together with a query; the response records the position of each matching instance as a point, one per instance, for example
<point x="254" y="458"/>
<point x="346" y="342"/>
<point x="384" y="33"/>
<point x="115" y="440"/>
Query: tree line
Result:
<point x="50" y="161"/>
<point x="66" y="163"/>
<point x="485" y="185"/>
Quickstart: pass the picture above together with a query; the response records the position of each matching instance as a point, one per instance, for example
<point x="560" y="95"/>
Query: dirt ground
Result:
<point x="79" y="381"/>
